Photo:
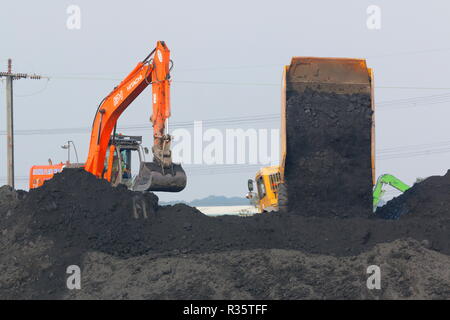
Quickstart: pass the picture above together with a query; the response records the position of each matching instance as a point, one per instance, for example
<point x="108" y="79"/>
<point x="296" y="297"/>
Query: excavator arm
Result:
<point x="389" y="180"/>
<point x="161" y="174"/>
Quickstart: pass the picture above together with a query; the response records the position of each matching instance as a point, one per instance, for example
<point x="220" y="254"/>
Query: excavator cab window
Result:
<point x="125" y="156"/>
<point x="130" y="158"/>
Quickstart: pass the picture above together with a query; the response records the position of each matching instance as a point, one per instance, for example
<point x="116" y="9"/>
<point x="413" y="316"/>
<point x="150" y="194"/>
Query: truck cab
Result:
<point x="267" y="181"/>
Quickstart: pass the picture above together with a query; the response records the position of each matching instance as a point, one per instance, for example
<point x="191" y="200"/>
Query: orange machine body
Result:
<point x="40" y="174"/>
<point x="155" y="72"/>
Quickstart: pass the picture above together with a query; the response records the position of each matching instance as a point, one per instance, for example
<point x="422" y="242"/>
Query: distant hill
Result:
<point x="212" y="201"/>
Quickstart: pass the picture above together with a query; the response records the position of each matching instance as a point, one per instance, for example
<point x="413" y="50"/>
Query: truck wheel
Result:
<point x="282" y="198"/>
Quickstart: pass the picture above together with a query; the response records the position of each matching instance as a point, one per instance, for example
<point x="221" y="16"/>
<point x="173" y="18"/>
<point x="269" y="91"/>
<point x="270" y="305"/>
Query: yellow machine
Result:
<point x="267" y="181"/>
<point x="337" y="75"/>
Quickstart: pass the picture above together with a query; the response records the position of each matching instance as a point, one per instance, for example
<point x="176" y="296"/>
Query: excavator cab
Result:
<point x="152" y="176"/>
<point x="124" y="150"/>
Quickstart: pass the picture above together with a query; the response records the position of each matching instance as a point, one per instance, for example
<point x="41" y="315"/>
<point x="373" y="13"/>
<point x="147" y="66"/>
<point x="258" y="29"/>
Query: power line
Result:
<point x="414" y="154"/>
<point x="391" y="104"/>
<point x="408" y="53"/>
<point x="413" y="102"/>
<point x="384" y="154"/>
<point x="412" y="88"/>
<point x="234" y="83"/>
<point x="280" y="65"/>
<point x="185" y="124"/>
<point x="228" y="83"/>
<point x="219" y="169"/>
<point x="409" y="147"/>
<point x="34" y="93"/>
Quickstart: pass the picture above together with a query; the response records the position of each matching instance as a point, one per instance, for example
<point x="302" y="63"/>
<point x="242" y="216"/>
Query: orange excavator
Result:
<point x="110" y="154"/>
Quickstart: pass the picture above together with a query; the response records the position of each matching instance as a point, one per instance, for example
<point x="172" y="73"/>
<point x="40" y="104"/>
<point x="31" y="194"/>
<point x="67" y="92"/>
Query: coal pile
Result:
<point x="429" y="198"/>
<point x="9" y="197"/>
<point x="328" y="163"/>
<point x="78" y="210"/>
<point x="409" y="271"/>
<point x="77" y="219"/>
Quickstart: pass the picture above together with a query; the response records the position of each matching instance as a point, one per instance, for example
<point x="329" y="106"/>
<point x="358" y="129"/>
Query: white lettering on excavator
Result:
<point x="134" y="82"/>
<point x="45" y="171"/>
<point x="159" y="54"/>
<point x="118" y="98"/>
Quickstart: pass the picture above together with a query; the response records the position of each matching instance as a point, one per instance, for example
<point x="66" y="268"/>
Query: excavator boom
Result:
<point x="389" y="180"/>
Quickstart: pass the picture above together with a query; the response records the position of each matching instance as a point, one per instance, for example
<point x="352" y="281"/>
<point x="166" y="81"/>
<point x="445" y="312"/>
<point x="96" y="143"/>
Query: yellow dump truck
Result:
<point x="267" y="182"/>
<point x="336" y="75"/>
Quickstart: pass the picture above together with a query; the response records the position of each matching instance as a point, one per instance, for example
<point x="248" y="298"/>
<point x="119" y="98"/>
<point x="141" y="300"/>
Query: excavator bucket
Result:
<point x="152" y="177"/>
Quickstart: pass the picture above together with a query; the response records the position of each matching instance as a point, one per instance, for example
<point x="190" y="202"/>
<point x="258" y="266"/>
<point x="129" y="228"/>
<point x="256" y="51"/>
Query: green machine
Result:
<point x="386" y="179"/>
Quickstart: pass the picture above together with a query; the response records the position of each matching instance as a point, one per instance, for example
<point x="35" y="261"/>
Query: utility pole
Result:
<point x="9" y="77"/>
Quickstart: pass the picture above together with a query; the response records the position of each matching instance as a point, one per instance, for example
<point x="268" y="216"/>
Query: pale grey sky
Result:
<point x="241" y="42"/>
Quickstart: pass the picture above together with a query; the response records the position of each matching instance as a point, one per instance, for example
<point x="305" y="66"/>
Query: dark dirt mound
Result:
<point x="75" y="213"/>
<point x="430" y="199"/>
<point x="9" y="198"/>
<point x="328" y="163"/>
<point x="79" y="211"/>
<point x="409" y="271"/>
